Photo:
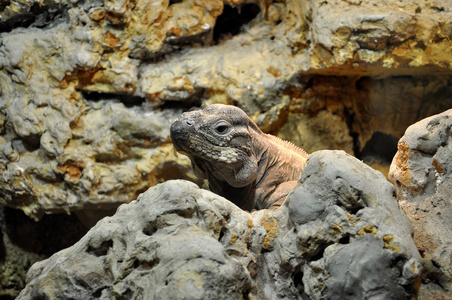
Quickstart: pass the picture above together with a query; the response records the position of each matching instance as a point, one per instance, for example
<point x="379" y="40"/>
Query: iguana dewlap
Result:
<point x="246" y="166"/>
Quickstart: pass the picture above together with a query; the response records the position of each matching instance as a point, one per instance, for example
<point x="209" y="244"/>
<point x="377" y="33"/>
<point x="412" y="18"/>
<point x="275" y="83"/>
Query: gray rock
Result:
<point x="422" y="174"/>
<point x="357" y="244"/>
<point x="164" y="245"/>
<point x="177" y="241"/>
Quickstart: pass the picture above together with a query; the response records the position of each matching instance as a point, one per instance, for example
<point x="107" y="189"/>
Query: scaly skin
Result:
<point x="246" y="166"/>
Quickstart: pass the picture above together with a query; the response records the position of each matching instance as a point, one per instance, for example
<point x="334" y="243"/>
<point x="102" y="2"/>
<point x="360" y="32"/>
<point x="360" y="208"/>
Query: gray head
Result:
<point x="218" y="141"/>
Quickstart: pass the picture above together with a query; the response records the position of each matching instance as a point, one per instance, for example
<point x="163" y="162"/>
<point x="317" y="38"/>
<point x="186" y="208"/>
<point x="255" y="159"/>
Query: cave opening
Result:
<point x="232" y="20"/>
<point x="51" y="234"/>
<point x="381" y="147"/>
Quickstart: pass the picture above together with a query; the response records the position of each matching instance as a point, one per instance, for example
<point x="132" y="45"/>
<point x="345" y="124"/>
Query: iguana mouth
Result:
<point x="222" y="154"/>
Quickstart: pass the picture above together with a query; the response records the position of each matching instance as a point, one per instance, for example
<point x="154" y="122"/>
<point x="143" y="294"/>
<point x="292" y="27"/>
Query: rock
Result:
<point x="317" y="133"/>
<point x="422" y="174"/>
<point x="89" y="88"/>
<point x="340" y="234"/>
<point x="361" y="109"/>
<point x="164" y="245"/>
<point x="355" y="240"/>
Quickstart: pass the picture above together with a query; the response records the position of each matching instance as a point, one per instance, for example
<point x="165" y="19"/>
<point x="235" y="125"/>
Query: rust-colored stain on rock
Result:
<point x="274" y="71"/>
<point x="367" y="229"/>
<point x="111" y="39"/>
<point x="271" y="226"/>
<point x="73" y="169"/>
<point x="401" y="159"/>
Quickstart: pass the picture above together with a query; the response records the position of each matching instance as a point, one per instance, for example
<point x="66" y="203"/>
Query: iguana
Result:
<point x="252" y="169"/>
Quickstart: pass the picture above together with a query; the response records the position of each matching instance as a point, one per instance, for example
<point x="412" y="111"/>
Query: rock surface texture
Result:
<point x="340" y="235"/>
<point x="89" y="88"/>
<point x="422" y="173"/>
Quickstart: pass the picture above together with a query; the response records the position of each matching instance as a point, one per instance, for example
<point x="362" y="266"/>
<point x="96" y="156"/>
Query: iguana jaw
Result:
<point x="208" y="151"/>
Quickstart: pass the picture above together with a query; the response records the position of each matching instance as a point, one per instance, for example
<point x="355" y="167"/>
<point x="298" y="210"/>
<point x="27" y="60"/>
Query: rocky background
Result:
<point x="88" y="90"/>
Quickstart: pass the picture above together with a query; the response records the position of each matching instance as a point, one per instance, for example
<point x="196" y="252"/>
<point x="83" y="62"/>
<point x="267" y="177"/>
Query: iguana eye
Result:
<point x="222" y="127"/>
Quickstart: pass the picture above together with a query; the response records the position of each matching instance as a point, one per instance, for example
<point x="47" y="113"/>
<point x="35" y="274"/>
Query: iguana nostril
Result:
<point x="188" y="122"/>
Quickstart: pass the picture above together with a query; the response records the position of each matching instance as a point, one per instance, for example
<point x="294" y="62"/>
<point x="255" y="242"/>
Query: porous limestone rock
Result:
<point x="360" y="107"/>
<point x="88" y="88"/>
<point x="339" y="235"/>
<point x="168" y="244"/>
<point x="422" y="174"/>
<point x="323" y="131"/>
<point x="355" y="240"/>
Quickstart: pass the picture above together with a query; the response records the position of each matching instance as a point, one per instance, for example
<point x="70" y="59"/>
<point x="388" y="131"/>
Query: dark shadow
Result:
<point x="53" y="233"/>
<point x="381" y="146"/>
<point x="230" y="22"/>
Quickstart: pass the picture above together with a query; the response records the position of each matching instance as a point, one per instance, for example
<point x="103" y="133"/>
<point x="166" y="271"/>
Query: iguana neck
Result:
<point x="288" y="147"/>
<point x="279" y="161"/>
<point x="270" y="149"/>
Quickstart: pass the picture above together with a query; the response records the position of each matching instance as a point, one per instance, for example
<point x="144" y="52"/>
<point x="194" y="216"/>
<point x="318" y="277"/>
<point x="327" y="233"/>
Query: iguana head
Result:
<point x="219" y="142"/>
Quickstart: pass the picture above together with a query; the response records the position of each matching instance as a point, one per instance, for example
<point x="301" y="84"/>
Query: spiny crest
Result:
<point x="289" y="145"/>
